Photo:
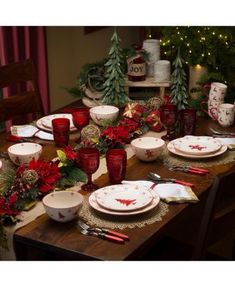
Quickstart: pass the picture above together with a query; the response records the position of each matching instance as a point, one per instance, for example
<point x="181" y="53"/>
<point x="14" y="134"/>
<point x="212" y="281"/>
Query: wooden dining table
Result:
<point x="45" y="239"/>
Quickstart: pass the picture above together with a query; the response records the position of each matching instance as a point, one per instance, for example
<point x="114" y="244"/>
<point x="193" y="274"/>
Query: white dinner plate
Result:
<point x="123" y="197"/>
<point x="172" y="149"/>
<point x="94" y="204"/>
<point x="197" y="145"/>
<point x="46" y="124"/>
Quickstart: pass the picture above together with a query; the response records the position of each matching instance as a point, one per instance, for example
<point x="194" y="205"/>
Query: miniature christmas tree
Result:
<point x="114" y="93"/>
<point x="179" y="95"/>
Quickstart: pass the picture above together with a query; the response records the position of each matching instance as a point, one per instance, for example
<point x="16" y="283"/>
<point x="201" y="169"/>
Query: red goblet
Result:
<point x="81" y="118"/>
<point x="168" y="119"/>
<point x="116" y="160"/>
<point x="89" y="160"/>
<point x="187" y="121"/>
<point x="60" y="129"/>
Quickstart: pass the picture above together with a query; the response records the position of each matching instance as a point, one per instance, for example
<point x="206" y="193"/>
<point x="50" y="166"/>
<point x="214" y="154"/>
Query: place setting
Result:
<point x="197" y="147"/>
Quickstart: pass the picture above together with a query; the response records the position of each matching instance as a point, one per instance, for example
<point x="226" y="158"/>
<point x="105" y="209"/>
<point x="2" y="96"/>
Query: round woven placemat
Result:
<point x="98" y="219"/>
<point x="170" y="159"/>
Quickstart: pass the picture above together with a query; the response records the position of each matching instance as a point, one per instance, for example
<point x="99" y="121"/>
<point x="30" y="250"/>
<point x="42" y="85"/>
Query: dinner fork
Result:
<point x="103" y="230"/>
<point x="101" y="235"/>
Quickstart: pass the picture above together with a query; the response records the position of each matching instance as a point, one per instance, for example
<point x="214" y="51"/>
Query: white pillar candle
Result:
<point x="152" y="46"/>
<point x="162" y="71"/>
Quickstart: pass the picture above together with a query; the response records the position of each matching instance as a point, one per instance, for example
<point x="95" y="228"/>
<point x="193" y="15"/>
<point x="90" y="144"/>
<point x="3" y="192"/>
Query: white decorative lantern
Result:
<point x="162" y="71"/>
<point x="152" y="46"/>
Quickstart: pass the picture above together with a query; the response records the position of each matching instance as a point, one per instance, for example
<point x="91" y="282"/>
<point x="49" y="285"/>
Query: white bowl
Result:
<point x="63" y="205"/>
<point x="147" y="148"/>
<point x="23" y="153"/>
<point x="102" y="115"/>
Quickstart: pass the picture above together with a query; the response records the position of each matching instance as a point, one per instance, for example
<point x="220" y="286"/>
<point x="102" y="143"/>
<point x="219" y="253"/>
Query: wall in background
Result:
<point x="68" y="49"/>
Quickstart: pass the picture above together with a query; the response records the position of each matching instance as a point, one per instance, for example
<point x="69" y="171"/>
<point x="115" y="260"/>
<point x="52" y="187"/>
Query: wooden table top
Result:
<point x="65" y="239"/>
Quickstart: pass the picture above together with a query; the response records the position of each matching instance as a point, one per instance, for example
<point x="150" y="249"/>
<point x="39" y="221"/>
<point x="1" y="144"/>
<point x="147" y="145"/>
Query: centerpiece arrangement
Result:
<point x="21" y="188"/>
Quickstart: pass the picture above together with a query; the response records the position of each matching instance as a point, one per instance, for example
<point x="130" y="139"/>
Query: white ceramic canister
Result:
<point x="162" y="71"/>
<point x="152" y="46"/>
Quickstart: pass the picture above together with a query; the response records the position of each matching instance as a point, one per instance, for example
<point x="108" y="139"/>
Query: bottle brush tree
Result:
<point x="179" y="94"/>
<point x="114" y="92"/>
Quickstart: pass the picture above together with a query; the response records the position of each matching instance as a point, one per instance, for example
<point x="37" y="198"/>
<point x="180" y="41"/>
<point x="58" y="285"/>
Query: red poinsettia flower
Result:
<point x="130" y="124"/>
<point x="70" y="153"/>
<point x="48" y="174"/>
<point x="12" y="199"/>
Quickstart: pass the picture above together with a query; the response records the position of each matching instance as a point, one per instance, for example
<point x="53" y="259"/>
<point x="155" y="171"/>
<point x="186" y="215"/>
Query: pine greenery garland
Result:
<point x="114" y="92"/>
<point x="179" y="94"/>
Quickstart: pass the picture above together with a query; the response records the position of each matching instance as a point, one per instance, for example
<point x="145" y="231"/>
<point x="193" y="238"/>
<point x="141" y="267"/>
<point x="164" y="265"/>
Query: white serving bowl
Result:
<point x="62" y="205"/>
<point x="103" y="114"/>
<point x="147" y="148"/>
<point x="23" y="153"/>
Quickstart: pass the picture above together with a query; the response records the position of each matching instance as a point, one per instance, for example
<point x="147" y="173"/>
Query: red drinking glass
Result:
<point x="81" y="118"/>
<point x="188" y="121"/>
<point x="116" y="160"/>
<point x="168" y="119"/>
<point x="89" y="160"/>
<point x="61" y="129"/>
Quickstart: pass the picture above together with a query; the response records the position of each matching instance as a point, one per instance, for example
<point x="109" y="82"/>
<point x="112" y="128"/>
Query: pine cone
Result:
<point x="29" y="176"/>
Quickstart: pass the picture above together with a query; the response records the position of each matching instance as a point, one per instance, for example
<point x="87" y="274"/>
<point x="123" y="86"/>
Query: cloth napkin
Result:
<point x="28" y="131"/>
<point x="168" y="192"/>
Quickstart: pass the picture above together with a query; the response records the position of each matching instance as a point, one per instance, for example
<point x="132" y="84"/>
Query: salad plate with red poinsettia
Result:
<point x="123" y="197"/>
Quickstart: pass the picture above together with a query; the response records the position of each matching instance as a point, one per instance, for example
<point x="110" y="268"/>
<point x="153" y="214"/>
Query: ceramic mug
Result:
<point x="217" y="91"/>
<point x="213" y="107"/>
<point x="226" y="115"/>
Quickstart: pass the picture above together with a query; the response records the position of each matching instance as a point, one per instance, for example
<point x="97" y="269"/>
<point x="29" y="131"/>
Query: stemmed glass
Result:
<point x="168" y="119"/>
<point x="89" y="160"/>
<point x="80" y="118"/>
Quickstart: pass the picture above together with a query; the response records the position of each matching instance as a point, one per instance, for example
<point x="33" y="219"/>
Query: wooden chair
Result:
<point x="218" y="217"/>
<point x="20" y="103"/>
<point x="207" y="224"/>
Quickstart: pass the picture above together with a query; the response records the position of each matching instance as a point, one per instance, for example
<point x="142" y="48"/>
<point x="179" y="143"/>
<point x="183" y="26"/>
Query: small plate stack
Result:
<point x="45" y="123"/>
<point x="197" y="147"/>
<point x="123" y="199"/>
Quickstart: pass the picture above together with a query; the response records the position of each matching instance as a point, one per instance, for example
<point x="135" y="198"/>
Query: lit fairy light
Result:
<point x="209" y="53"/>
<point x="190" y="51"/>
<point x="188" y="44"/>
<point x="165" y="53"/>
<point x="178" y="32"/>
<point x="186" y="63"/>
<point x="203" y="55"/>
<point x="181" y="39"/>
<point x="213" y="33"/>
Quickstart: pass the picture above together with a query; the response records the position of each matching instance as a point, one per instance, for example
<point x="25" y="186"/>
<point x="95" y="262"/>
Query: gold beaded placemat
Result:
<point x="98" y="219"/>
<point x="170" y="159"/>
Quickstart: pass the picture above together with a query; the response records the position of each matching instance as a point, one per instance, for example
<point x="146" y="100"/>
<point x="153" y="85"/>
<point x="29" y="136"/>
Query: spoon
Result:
<point x="157" y="177"/>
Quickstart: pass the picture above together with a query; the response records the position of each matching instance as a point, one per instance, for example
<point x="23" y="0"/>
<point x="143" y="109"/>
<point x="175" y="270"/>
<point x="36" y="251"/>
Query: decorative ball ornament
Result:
<point x="29" y="176"/>
<point x="90" y="132"/>
<point x="154" y="103"/>
<point x="153" y="121"/>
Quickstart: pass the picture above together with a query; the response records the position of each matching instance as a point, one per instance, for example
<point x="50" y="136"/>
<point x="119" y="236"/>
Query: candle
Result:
<point x="162" y="71"/>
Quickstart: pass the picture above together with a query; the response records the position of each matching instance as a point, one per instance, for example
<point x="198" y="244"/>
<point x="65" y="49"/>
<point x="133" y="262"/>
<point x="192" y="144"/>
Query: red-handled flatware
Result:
<point x="108" y="237"/>
<point x="102" y="235"/>
<point x="115" y="233"/>
<point x="192" y="168"/>
<point x="87" y="227"/>
<point x="182" y="182"/>
<point x="156" y="177"/>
